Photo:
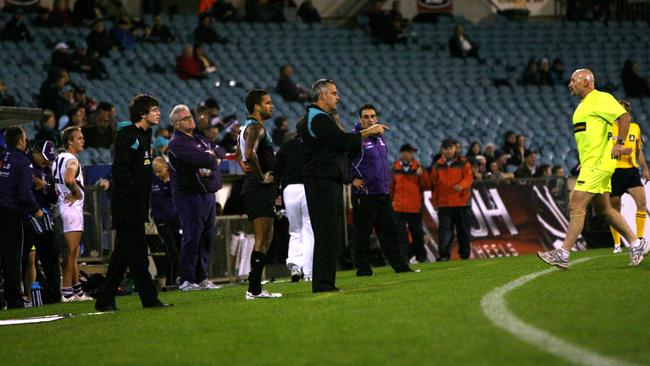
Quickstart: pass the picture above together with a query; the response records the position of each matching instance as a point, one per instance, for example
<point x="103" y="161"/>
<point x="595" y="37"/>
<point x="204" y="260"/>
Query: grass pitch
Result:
<point x="429" y="318"/>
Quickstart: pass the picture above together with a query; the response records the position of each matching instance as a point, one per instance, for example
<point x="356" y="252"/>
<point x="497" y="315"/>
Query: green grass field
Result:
<point x="429" y="318"/>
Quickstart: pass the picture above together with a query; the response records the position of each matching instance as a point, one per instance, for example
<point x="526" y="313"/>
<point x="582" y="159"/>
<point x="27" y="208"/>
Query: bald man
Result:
<point x="592" y="127"/>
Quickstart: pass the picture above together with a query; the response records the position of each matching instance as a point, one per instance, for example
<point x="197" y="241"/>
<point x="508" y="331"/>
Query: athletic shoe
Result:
<point x="307" y="278"/>
<point x="618" y="249"/>
<point x="263" y="295"/>
<point x="72" y="298"/>
<point x="638" y="254"/>
<point x="188" y="286"/>
<point x="296" y="274"/>
<point x="208" y="285"/>
<point x="83" y="297"/>
<point x="554" y="258"/>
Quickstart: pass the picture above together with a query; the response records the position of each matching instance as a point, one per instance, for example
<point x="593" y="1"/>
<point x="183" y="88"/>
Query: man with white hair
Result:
<point x="592" y="126"/>
<point x="195" y="179"/>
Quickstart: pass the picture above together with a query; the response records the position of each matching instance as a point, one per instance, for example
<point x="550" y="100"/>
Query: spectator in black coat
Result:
<point x="47" y="129"/>
<point x="158" y="32"/>
<point x="286" y="87"/>
<point x="204" y="33"/>
<point x="61" y="56"/>
<point x="281" y="129"/>
<point x="545" y="75"/>
<point x="635" y="86"/>
<point x="16" y="30"/>
<point x="224" y="11"/>
<point x="461" y="46"/>
<point x="557" y="71"/>
<point x="6" y="99"/>
<point x="90" y="65"/>
<point x="530" y="75"/>
<point x="58" y="96"/>
<point x="100" y="133"/>
<point x="308" y="13"/>
<point x="86" y="11"/>
<point x="229" y="140"/>
<point x="99" y="40"/>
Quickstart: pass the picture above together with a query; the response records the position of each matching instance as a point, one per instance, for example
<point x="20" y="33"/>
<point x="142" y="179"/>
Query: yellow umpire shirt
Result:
<point x="634" y="142"/>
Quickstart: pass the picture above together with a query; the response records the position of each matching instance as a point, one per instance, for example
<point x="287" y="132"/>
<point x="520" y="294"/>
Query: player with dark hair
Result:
<point x="626" y="178"/>
<point x="130" y="205"/>
<point x="255" y="155"/>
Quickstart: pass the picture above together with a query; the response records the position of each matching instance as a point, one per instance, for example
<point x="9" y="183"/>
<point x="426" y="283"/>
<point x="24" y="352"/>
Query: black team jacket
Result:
<point x="131" y="176"/>
<point x="327" y="146"/>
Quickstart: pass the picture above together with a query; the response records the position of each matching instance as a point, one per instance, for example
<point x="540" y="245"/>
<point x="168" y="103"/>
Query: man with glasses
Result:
<point x="194" y="166"/>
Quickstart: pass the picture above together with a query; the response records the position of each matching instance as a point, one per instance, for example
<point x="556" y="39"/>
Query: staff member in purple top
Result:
<point x="370" y="174"/>
<point x="164" y="214"/>
<point x="16" y="202"/>
<point x="195" y="180"/>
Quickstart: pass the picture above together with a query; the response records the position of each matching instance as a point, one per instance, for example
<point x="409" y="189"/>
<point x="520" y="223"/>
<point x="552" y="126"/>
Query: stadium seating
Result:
<point x="421" y="92"/>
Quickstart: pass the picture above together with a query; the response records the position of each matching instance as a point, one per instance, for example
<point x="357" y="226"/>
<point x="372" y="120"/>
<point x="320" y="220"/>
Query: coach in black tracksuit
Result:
<point x="326" y="148"/>
<point x="130" y="205"/>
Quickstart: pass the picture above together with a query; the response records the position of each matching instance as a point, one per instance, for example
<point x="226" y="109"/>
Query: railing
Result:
<point x="613" y="10"/>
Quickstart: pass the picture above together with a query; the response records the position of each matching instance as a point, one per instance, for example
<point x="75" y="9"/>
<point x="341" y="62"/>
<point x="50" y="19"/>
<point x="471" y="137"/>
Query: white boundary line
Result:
<point x="495" y="308"/>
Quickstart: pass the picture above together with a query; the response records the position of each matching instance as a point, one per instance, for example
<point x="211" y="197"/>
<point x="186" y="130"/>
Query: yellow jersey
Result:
<point x="592" y="128"/>
<point x="634" y="142"/>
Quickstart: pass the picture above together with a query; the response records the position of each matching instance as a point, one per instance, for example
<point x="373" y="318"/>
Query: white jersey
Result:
<point x="62" y="191"/>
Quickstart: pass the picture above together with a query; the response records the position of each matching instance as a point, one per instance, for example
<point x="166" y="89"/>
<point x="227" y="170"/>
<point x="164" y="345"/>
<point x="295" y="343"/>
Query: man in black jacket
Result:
<point x="130" y="205"/>
<point x="326" y="147"/>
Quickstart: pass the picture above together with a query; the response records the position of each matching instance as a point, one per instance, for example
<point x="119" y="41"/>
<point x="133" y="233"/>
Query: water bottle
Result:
<point x="37" y="299"/>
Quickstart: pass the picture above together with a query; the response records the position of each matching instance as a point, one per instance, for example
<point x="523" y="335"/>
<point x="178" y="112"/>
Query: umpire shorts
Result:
<point x="624" y="179"/>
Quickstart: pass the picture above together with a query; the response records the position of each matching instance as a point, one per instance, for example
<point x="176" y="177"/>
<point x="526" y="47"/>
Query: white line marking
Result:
<point x="494" y="308"/>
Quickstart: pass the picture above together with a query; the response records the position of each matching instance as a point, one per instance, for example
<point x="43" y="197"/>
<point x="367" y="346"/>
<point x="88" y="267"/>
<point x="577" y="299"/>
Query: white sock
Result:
<point x="635" y="244"/>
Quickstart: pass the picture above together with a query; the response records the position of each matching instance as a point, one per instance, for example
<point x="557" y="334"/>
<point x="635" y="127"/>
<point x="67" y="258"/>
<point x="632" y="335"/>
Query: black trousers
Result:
<point x="11" y="246"/>
<point x="131" y="251"/>
<point x="451" y="218"/>
<point x="376" y="211"/>
<point x="325" y="205"/>
<point x="414" y="222"/>
<point x="169" y="231"/>
<point x="47" y="252"/>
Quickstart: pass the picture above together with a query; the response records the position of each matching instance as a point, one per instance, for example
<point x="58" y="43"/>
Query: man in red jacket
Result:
<point x="451" y="189"/>
<point x="409" y="181"/>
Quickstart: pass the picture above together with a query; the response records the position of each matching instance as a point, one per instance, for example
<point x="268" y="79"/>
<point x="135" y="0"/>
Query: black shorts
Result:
<point x="258" y="198"/>
<point x="624" y="179"/>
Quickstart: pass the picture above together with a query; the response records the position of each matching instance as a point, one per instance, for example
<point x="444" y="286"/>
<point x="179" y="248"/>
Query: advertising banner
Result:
<point x="509" y="219"/>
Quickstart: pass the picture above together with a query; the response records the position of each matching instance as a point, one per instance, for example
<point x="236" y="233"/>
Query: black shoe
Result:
<point x="159" y="304"/>
<point x="327" y="289"/>
<point x="364" y="273"/>
<point x="105" y="308"/>
<point x="403" y="270"/>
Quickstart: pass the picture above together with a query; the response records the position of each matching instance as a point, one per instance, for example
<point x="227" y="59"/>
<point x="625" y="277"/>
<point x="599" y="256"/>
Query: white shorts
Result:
<point x="72" y="218"/>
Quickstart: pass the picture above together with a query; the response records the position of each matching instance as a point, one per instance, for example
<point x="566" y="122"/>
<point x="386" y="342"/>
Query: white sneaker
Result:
<point x="618" y="249"/>
<point x="554" y="258"/>
<point x="83" y="297"/>
<point x="638" y="253"/>
<point x="208" y="285"/>
<point x="72" y="298"/>
<point x="189" y="286"/>
<point x="296" y="273"/>
<point x="263" y="295"/>
<point x="307" y="278"/>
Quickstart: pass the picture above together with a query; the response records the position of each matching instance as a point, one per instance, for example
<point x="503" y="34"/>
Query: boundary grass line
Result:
<point x="494" y="307"/>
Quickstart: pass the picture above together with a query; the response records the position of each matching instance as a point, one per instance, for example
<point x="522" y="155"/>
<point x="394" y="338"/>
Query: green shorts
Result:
<point x="594" y="181"/>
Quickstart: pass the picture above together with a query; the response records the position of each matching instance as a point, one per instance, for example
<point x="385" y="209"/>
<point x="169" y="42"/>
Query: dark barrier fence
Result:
<point x="604" y="10"/>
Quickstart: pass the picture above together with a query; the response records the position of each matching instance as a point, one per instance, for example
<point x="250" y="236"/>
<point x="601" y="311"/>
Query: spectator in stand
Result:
<point x="88" y="64"/>
<point x="557" y="71"/>
<point x="229" y="140"/>
<point x="83" y="100"/>
<point x="100" y="134"/>
<point x="76" y="116"/>
<point x="6" y="99"/>
<point x="543" y="171"/>
<point x="544" y="74"/>
<point x="517" y="155"/>
<point x="86" y="11"/>
<point x="16" y="30"/>
<point x="122" y="35"/>
<point x="61" y="57"/>
<point x="115" y="10"/>
<point x="207" y="66"/>
<point x="509" y="142"/>
<point x="224" y="11"/>
<point x="497" y="168"/>
<point x="260" y="11"/>
<point x="165" y="216"/>
<point x="531" y="74"/>
<point x="159" y="33"/>
<point x="47" y="129"/>
<point x="308" y="13"/>
<point x="461" y="46"/>
<point x="280" y="130"/>
<point x="557" y="185"/>
<point x="187" y="66"/>
<point x="382" y="27"/>
<point x="55" y="98"/>
<point x="489" y="153"/>
<point x="213" y="109"/>
<point x="528" y="168"/>
<point x="478" y="164"/>
<point x="474" y="149"/>
<point x="409" y="182"/>
<point x="451" y="189"/>
<point x="635" y="86"/>
<point x="99" y="40"/>
<point x="60" y="16"/>
<point x="395" y="16"/>
<point x="204" y="33"/>
<point x="287" y="88"/>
